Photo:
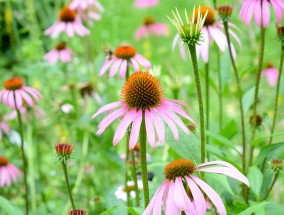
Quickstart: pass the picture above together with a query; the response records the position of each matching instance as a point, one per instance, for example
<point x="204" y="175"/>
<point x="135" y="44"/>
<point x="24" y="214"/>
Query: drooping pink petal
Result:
<point x="123" y="69"/>
<point x="150" y="128"/>
<point x="110" y="118"/>
<point x="265" y="13"/>
<point x="212" y="195"/>
<point x="122" y="127"/>
<point x="200" y="203"/>
<point x="19" y="99"/>
<point x="169" y="201"/>
<point x="218" y="36"/>
<point x="135" y="129"/>
<point x="135" y="65"/>
<point x="35" y="94"/>
<point x="107" y="108"/>
<point x="205" y="45"/>
<point x="159" y="125"/>
<point x="257" y="13"/>
<point x="171" y="125"/>
<point x="106" y="66"/>
<point x="115" y="67"/>
<point x="233" y="173"/>
<point x="223" y="163"/>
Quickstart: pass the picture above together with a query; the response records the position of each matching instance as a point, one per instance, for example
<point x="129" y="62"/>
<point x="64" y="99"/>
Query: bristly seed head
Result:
<point x="60" y="46"/>
<point x="125" y="52"/>
<point x="255" y="120"/>
<point x="3" y="161"/>
<point x="149" y="21"/>
<point x="225" y="12"/>
<point x="67" y="15"/>
<point x="142" y="91"/>
<point x="210" y="18"/>
<point x="77" y="212"/>
<point x="13" y="84"/>
<point x="276" y="165"/>
<point x="179" y="168"/>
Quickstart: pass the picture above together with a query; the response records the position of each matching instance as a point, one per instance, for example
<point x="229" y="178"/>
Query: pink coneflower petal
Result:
<point x="33" y="92"/>
<point x="135" y="129"/>
<point x="175" y="41"/>
<point x="277" y="9"/>
<point x="182" y="50"/>
<point x="114" y="68"/>
<point x="19" y="99"/>
<point x="94" y="15"/>
<point x="159" y="125"/>
<point x="106" y="66"/>
<point x="227" y="171"/>
<point x="110" y="118"/>
<point x="122" y="127"/>
<point x="150" y="128"/>
<point x="257" y="13"/>
<point x="135" y="64"/>
<point x="123" y="69"/>
<point x="69" y="29"/>
<point x="266" y="13"/>
<point x="171" y="124"/>
<point x="223" y="163"/>
<point x="181" y="197"/>
<point x="218" y="37"/>
<point x="141" y="60"/>
<point x="197" y="196"/>
<point x="205" y="45"/>
<point x="212" y="195"/>
<point x="170" y="207"/>
<point x="107" y="108"/>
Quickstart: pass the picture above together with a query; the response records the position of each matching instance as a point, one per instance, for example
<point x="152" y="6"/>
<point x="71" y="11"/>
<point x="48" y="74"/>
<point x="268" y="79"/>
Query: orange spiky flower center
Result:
<point x="67" y="15"/>
<point x="3" y="161"/>
<point x="13" y="84"/>
<point x="125" y="52"/>
<point x="149" y="21"/>
<point x="60" y="46"/>
<point x="210" y="18"/>
<point x="142" y="91"/>
<point x="179" y="168"/>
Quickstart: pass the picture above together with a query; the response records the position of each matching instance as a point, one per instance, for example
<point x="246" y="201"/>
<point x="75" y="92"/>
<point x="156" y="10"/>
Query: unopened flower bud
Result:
<point x="255" y="120"/>
<point x="63" y="151"/>
<point x="225" y="12"/>
<point x="276" y="165"/>
<point x="77" y="212"/>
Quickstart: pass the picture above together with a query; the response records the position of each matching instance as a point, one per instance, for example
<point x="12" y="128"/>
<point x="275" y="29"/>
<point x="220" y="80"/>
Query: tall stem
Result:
<point x="260" y="61"/>
<point x="240" y="104"/>
<point x="23" y="154"/>
<point x="143" y="161"/>
<point x="192" y="50"/>
<point x="215" y="4"/>
<point x="271" y="186"/>
<point x="126" y="168"/>
<point x="220" y="93"/>
<point x="68" y="185"/>
<point x="277" y="95"/>
<point x="134" y="175"/>
<point x="207" y="98"/>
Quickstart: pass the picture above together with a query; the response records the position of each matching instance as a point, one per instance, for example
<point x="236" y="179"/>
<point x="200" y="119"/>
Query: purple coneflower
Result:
<point x="174" y="195"/>
<point x="87" y="9"/>
<point x="211" y="31"/>
<point x="151" y="27"/>
<point x="142" y="100"/>
<point x="260" y="9"/>
<point x="146" y="3"/>
<point x="15" y="90"/>
<point x="69" y="22"/>
<point x="61" y="53"/>
<point x="120" y="59"/>
<point x="8" y="172"/>
<point x="271" y="73"/>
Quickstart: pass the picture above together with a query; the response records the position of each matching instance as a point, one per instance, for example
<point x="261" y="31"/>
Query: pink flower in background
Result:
<point x="271" y="74"/>
<point x="60" y="53"/>
<point x="146" y="3"/>
<point x="173" y="196"/>
<point x="4" y="128"/>
<point x="69" y="23"/>
<point x="119" y="61"/>
<point x="142" y="94"/>
<point x="211" y="31"/>
<point x="8" y="172"/>
<point x="257" y="9"/>
<point x="87" y="9"/>
<point x="15" y="89"/>
<point x="150" y="27"/>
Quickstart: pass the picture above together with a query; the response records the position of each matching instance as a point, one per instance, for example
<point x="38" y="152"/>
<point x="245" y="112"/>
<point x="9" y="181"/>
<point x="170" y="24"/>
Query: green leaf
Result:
<point x="131" y="211"/>
<point x="230" y="129"/>
<point x="8" y="208"/>
<point x="253" y="208"/>
<point x="266" y="151"/>
<point x="187" y="146"/>
<point x="248" y="70"/>
<point x="223" y="141"/>
<point x="255" y="178"/>
<point x="248" y="99"/>
<point x="220" y="181"/>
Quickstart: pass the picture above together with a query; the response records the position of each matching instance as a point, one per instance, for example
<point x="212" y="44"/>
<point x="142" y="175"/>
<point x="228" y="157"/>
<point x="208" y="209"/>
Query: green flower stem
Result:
<point x="215" y="4"/>
<point x="126" y="168"/>
<point x="192" y="50"/>
<point x="271" y="186"/>
<point x="134" y="175"/>
<point x="220" y="93"/>
<point x="207" y="99"/>
<point x="260" y="61"/>
<point x="277" y="95"/>
<point x="240" y="104"/>
<point x="143" y="161"/>
<point x="23" y="155"/>
<point x="68" y="185"/>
